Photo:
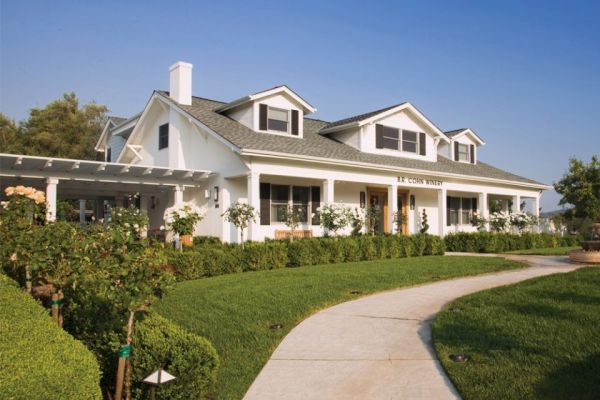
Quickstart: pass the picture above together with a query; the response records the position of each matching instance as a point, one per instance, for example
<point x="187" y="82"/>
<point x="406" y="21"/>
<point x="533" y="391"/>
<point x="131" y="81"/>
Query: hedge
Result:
<point x="209" y="257"/>
<point x="193" y="361"/>
<point x="486" y="242"/>
<point x="39" y="360"/>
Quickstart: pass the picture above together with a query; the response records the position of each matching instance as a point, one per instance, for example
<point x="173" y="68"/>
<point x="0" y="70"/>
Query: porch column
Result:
<point x="51" y="184"/>
<point x="81" y="211"/>
<point x="536" y="212"/>
<point x="178" y="195"/>
<point x="328" y="195"/>
<point x="441" y="212"/>
<point x="254" y="201"/>
<point x="392" y="206"/>
<point x="144" y="204"/>
<point x="483" y="208"/>
<point x="516" y="204"/>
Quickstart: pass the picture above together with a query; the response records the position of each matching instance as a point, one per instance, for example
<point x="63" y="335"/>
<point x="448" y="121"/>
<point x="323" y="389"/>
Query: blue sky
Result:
<point x="524" y="75"/>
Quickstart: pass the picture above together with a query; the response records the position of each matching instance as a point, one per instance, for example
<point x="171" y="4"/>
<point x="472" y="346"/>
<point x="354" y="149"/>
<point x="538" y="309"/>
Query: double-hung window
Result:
<point x="463" y="152"/>
<point x="410" y="141"/>
<point x="163" y="136"/>
<point x="300" y="197"/>
<point x="277" y="120"/>
<point x="391" y="138"/>
<point x="280" y="197"/>
<point x="459" y="210"/>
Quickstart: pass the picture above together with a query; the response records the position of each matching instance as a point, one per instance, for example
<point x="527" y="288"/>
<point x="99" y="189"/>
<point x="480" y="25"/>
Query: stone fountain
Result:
<point x="590" y="249"/>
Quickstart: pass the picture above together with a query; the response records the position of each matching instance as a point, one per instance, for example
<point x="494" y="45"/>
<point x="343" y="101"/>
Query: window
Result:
<point x="463" y="152"/>
<point x="163" y="136"/>
<point x="108" y="154"/>
<point x="277" y="120"/>
<point x="401" y="140"/>
<point x="280" y="196"/>
<point x="409" y="141"/>
<point x="300" y="196"/>
<point x="459" y="210"/>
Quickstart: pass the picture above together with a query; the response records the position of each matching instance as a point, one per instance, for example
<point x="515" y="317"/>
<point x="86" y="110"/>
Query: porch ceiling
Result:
<point x="22" y="166"/>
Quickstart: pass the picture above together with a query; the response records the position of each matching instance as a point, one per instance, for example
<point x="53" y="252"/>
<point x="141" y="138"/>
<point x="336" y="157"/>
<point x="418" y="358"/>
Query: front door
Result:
<point x="378" y="204"/>
<point x="403" y="208"/>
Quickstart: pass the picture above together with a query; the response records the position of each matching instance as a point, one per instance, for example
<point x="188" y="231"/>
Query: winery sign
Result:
<point x="419" y="181"/>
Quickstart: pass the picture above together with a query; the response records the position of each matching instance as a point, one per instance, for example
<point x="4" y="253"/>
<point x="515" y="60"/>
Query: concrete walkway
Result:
<point x="377" y="347"/>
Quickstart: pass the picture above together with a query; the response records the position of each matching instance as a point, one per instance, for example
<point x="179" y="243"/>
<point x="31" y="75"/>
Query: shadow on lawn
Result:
<point x="575" y="381"/>
<point x="539" y="310"/>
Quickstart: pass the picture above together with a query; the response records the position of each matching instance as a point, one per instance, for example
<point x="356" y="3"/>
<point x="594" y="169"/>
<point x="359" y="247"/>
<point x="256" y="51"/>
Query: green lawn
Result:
<point x="539" y="339"/>
<point x="235" y="311"/>
<point x="550" y="251"/>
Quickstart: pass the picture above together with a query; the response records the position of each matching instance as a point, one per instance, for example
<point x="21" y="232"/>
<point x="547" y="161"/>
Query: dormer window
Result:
<point x="464" y="152"/>
<point x="277" y="120"/>
<point x="399" y="139"/>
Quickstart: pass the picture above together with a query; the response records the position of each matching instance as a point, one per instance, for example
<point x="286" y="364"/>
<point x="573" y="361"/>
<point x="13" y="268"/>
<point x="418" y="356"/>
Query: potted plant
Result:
<point x="182" y="220"/>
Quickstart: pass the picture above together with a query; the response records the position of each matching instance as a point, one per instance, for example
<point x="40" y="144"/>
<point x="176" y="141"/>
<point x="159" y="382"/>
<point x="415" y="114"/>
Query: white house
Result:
<point x="265" y="149"/>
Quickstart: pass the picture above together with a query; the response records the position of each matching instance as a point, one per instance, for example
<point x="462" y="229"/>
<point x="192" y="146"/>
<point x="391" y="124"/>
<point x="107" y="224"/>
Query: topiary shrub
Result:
<point x="159" y="343"/>
<point x="39" y="360"/>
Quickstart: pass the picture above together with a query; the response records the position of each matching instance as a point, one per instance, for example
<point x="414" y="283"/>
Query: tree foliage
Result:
<point x="61" y="129"/>
<point x="580" y="187"/>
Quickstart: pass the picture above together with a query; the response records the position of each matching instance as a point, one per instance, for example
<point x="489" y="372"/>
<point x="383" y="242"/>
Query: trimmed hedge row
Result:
<point x="39" y="360"/>
<point x="486" y="242"/>
<point x="159" y="343"/>
<point x="211" y="258"/>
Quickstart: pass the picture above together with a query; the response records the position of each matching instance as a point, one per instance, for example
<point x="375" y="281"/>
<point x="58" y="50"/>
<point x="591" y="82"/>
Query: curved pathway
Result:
<point x="379" y="346"/>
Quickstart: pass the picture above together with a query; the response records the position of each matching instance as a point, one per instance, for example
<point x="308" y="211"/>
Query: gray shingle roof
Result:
<point x="454" y="132"/>
<point x="314" y="144"/>
<point x="358" y="118"/>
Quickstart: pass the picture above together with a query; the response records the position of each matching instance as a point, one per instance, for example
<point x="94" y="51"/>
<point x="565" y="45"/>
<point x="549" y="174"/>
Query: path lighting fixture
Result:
<point x="275" y="327"/>
<point x="460" y="358"/>
<point x="355" y="292"/>
<point x="156" y="379"/>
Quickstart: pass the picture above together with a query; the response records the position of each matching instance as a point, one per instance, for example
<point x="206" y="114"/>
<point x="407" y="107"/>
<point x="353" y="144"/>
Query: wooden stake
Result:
<point x="128" y="364"/>
<point x="55" y="308"/>
<point x="120" y="375"/>
<point x="61" y="297"/>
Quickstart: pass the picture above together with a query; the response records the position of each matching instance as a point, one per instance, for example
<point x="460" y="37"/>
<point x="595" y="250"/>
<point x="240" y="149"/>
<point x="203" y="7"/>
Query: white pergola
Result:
<point x="81" y="179"/>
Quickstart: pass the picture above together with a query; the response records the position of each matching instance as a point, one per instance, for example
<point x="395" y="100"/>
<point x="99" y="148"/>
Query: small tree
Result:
<point x="400" y="221"/>
<point x="372" y="218"/>
<point x="357" y="220"/>
<point x="424" y="223"/>
<point x="292" y="218"/>
<point x="240" y="215"/>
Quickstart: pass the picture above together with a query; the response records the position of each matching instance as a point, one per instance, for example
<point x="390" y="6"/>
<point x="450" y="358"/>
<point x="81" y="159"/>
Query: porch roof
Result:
<point x="24" y="166"/>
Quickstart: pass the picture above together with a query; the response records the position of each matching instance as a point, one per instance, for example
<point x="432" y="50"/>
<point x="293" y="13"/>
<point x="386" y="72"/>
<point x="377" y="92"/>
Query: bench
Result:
<point x="298" y="234"/>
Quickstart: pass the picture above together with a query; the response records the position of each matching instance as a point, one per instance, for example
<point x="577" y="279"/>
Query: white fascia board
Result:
<point x="473" y="135"/>
<point x="118" y="130"/>
<point x="308" y="109"/>
<point x="321" y="160"/>
<point x="413" y="109"/>
<point x="99" y="146"/>
<point x="136" y="129"/>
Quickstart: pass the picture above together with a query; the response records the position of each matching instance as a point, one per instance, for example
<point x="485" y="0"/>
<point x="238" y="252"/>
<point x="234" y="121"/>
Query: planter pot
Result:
<point x="187" y="240"/>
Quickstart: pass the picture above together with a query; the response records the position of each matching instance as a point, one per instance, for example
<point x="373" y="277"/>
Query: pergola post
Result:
<point x="536" y="212"/>
<point x="484" y="209"/>
<point x="51" y="184"/>
<point x="81" y="211"/>
<point x="178" y="195"/>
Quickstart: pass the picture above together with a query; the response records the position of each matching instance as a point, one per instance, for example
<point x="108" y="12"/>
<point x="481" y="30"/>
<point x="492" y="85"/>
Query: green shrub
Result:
<point x="257" y="256"/>
<point x="368" y="251"/>
<point x="350" y="248"/>
<point x="487" y="242"/>
<point x="159" y="343"/>
<point x="201" y="240"/>
<point x="300" y="252"/>
<point x="333" y="247"/>
<point x="39" y="360"/>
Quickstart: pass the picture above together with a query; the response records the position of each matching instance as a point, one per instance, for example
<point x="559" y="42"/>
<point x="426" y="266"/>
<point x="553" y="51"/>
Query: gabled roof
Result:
<point x="465" y="131"/>
<point x="315" y="146"/>
<point x="308" y="109"/>
<point x="373" y="116"/>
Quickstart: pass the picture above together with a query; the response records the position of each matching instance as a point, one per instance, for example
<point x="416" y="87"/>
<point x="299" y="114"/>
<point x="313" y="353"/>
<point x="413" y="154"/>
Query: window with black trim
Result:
<point x="108" y="154"/>
<point x="300" y="201"/>
<point x="280" y="197"/>
<point x="277" y="119"/>
<point x="410" y="141"/>
<point x="303" y="198"/>
<point x="399" y="139"/>
<point x="391" y="138"/>
<point x="460" y="210"/>
<point x="163" y="136"/>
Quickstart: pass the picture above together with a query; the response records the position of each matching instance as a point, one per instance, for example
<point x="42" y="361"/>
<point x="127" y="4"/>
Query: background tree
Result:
<point x="61" y="129"/>
<point x="292" y="218"/>
<point x="580" y="187"/>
